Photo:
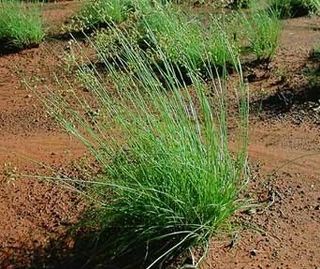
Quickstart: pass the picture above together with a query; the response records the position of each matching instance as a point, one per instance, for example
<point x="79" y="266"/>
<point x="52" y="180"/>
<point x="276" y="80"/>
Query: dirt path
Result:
<point x="287" y="221"/>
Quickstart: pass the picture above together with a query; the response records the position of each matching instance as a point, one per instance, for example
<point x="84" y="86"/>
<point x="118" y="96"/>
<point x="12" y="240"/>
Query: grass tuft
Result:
<point x="295" y="8"/>
<point x="263" y="30"/>
<point x="315" y="53"/>
<point x="95" y="14"/>
<point x="20" y="23"/>
<point x="183" y="40"/>
<point x="238" y="4"/>
<point x="170" y="181"/>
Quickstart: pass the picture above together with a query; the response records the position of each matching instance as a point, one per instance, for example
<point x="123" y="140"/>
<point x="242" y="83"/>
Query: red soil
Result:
<point x="284" y="229"/>
<point x="32" y="211"/>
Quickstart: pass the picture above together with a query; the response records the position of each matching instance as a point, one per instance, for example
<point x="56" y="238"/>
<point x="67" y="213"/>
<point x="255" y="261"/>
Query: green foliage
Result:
<point x="315" y="57"/>
<point x="241" y="4"/>
<point x="316" y="53"/>
<point x="312" y="70"/>
<point x="108" y="44"/>
<point x="263" y="29"/>
<point x="101" y="12"/>
<point x="295" y="8"/>
<point x="169" y="178"/>
<point x="20" y="23"/>
<point x="223" y="46"/>
<point x="178" y="37"/>
<point x="182" y="40"/>
<point x="105" y="13"/>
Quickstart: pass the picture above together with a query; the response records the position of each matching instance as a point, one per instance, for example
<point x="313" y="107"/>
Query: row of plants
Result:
<point x="285" y="8"/>
<point x="21" y="24"/>
<point x="185" y="40"/>
<point x="103" y="12"/>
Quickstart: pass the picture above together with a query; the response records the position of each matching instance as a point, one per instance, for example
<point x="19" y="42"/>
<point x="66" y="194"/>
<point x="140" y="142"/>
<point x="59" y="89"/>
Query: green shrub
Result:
<point x="178" y="37"/>
<point x="182" y="38"/>
<point x="314" y="56"/>
<point x="20" y="23"/>
<point x="263" y="29"/>
<point x="241" y="4"/>
<point x="105" y="13"/>
<point x="316" y="52"/>
<point x="108" y="44"/>
<point x="170" y="181"/>
<point x="99" y="13"/>
<point x="223" y="45"/>
<point x="295" y="8"/>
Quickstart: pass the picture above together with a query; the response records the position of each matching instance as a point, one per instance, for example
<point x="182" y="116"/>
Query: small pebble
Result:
<point x="253" y="252"/>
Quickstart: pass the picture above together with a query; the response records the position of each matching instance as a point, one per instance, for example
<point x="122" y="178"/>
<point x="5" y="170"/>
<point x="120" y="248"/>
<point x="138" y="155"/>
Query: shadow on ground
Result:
<point x="89" y="250"/>
<point x="7" y="47"/>
<point x="303" y="98"/>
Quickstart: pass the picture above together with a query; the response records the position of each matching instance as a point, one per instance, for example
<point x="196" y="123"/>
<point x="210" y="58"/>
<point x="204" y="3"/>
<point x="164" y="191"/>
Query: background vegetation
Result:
<point x="20" y="23"/>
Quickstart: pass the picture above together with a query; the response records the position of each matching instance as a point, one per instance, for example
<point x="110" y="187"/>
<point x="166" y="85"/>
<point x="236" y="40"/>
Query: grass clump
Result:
<point x="109" y="44"/>
<point x="170" y="181"/>
<point x="315" y="54"/>
<point x="295" y="8"/>
<point x="263" y="30"/>
<point x="95" y="14"/>
<point x="240" y="4"/>
<point x="20" y="24"/>
<point x="106" y="13"/>
<point x="223" y="46"/>
<point x="178" y="37"/>
<point x="183" y="40"/>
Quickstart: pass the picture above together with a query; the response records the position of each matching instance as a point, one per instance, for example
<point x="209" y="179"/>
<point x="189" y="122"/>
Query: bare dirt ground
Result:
<point x="282" y="231"/>
<point x="32" y="211"/>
